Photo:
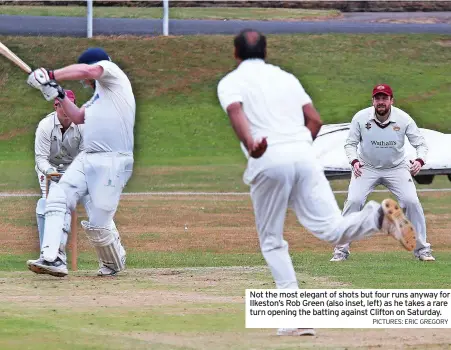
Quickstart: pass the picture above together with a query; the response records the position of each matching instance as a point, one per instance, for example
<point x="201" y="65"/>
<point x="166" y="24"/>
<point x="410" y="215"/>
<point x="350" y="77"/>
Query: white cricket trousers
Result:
<point x="400" y="183"/>
<point x="303" y="187"/>
<point x="103" y="176"/>
<point x="40" y="212"/>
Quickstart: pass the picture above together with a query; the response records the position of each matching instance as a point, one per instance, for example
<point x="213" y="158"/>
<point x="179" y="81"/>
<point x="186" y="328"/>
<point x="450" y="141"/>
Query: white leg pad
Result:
<point x="107" y="244"/>
<point x="67" y="222"/>
<point x="55" y="214"/>
<point x="40" y="218"/>
<point x="64" y="235"/>
<point x="87" y="203"/>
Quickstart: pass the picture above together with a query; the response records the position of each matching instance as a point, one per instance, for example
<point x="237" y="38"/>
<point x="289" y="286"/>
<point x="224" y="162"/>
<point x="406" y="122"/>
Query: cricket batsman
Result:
<point x="102" y="169"/>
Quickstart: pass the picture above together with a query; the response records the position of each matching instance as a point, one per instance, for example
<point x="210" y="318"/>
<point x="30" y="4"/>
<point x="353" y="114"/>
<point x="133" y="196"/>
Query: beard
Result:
<point x="382" y="110"/>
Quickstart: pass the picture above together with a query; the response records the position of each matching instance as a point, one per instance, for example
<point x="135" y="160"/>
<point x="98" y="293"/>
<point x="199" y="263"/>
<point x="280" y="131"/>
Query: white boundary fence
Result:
<point x="89" y="17"/>
<point x="165" y="17"/>
<point x="90" y="10"/>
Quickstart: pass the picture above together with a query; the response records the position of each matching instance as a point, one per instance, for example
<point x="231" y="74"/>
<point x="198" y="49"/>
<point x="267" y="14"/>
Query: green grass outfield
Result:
<point x="183" y="138"/>
<point x="215" y="13"/>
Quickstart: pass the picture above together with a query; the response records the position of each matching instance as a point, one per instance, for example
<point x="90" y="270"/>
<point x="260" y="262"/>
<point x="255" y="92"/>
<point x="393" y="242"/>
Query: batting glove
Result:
<point x="39" y="77"/>
<point x="52" y="90"/>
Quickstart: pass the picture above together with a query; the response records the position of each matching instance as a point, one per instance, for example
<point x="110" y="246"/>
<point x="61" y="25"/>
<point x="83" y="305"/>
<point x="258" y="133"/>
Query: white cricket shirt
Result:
<point x="272" y="100"/>
<point x="110" y="113"/>
<point x="383" y="147"/>
<point x="52" y="148"/>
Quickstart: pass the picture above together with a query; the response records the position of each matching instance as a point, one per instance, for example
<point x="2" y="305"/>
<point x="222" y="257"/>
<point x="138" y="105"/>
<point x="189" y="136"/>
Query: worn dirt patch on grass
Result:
<point x="226" y="224"/>
<point x="149" y="287"/>
<point x="325" y="338"/>
<point x="14" y="133"/>
<point x="182" y="292"/>
<point x="444" y="42"/>
<point x="426" y="95"/>
<point x="191" y="291"/>
<point x="178" y="170"/>
<point x="222" y="224"/>
<point x="419" y="20"/>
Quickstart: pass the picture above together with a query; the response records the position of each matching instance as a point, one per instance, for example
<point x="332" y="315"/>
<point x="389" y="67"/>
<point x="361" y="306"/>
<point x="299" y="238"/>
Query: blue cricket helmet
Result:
<point x="93" y="55"/>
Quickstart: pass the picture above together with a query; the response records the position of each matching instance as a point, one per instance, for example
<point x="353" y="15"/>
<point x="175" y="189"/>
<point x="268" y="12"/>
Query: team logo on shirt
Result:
<point x="396" y="128"/>
<point x="368" y="126"/>
<point x="42" y="178"/>
<point x="91" y="102"/>
<point x="383" y="143"/>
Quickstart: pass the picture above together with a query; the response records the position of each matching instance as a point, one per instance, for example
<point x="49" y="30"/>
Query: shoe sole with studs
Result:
<point x="395" y="214"/>
<point x="40" y="270"/>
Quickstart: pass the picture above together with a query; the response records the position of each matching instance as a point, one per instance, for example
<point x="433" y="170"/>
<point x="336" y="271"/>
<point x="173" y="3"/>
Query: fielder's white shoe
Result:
<point x="296" y="331"/>
<point x="396" y="224"/>
<point x="56" y="268"/>
<point x="339" y="256"/>
<point x="426" y="256"/>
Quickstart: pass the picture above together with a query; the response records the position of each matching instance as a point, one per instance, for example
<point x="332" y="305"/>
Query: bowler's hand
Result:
<point x="258" y="148"/>
<point x="415" y="167"/>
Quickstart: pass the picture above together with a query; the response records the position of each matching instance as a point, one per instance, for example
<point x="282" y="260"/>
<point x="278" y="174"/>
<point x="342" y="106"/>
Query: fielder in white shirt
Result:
<point x="101" y="170"/>
<point x="57" y="142"/>
<point x="381" y="131"/>
<point x="276" y="122"/>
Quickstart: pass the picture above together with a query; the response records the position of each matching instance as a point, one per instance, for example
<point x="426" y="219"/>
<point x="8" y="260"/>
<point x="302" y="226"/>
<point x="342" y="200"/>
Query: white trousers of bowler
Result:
<point x="303" y="187"/>
<point x="399" y="182"/>
<point x="102" y="176"/>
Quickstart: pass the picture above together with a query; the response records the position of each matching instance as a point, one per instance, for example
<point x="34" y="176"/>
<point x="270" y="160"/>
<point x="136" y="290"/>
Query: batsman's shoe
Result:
<point x="56" y="268"/>
<point x="426" y="256"/>
<point x="396" y="224"/>
<point x="30" y="262"/>
<point x="105" y="271"/>
<point x="296" y="331"/>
